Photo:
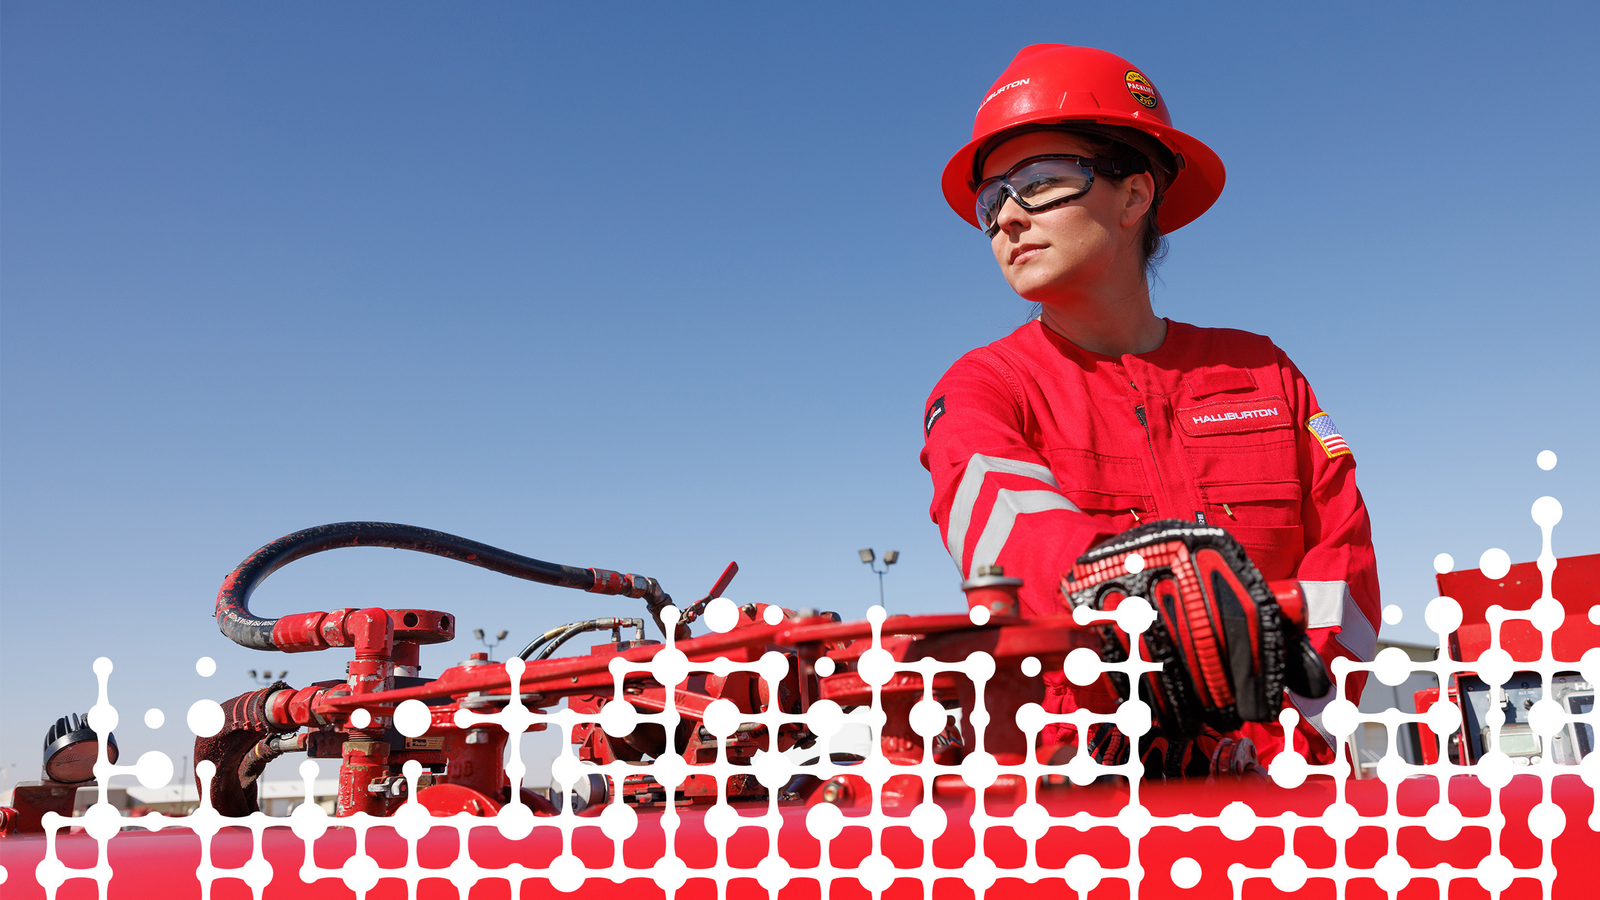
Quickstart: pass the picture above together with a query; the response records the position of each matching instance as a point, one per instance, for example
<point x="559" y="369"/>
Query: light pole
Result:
<point x="266" y="678"/>
<point x="890" y="557"/>
<point x="478" y="633"/>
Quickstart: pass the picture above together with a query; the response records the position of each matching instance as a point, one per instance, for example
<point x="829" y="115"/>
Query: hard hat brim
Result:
<point x="1194" y="189"/>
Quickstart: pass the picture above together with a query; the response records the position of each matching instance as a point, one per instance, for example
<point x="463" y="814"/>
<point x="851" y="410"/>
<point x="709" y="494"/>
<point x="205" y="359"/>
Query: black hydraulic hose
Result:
<point x="541" y="639"/>
<point x="571" y="632"/>
<point x="243" y="628"/>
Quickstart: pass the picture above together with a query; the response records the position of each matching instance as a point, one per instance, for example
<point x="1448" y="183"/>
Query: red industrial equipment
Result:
<point x="462" y="769"/>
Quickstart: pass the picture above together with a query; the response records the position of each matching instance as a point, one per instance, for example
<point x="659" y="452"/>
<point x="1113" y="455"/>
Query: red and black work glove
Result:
<point x="1226" y="648"/>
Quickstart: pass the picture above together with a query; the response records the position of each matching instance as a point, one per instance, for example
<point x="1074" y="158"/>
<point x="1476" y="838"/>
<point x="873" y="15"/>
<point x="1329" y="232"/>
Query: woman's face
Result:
<point x="1057" y="254"/>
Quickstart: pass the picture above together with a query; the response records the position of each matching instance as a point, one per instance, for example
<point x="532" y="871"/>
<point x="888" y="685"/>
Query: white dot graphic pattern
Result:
<point x="1045" y="829"/>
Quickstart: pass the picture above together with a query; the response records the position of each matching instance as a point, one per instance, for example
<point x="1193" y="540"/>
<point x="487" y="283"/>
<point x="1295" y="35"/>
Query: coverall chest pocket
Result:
<point x="1120" y="507"/>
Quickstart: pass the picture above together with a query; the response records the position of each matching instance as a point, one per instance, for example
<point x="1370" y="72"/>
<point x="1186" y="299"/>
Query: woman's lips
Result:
<point x="1025" y="252"/>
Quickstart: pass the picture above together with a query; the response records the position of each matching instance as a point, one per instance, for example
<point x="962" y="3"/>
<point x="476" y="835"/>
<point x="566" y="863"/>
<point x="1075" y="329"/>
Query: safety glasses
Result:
<point x="1040" y="182"/>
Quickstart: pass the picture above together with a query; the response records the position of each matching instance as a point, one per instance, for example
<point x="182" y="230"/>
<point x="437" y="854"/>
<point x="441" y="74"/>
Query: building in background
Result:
<point x="1370" y="741"/>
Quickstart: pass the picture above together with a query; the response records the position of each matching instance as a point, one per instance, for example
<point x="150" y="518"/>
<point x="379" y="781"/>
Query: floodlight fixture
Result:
<point x="890" y="557"/>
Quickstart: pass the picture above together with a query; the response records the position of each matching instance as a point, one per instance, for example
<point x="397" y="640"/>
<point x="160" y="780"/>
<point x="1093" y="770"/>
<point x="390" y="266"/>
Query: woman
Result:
<point x="1099" y="415"/>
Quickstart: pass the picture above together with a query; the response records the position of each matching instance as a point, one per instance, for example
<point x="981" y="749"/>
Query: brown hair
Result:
<point x="1129" y="143"/>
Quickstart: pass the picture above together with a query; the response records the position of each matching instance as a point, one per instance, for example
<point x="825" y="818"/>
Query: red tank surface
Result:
<point x="701" y="777"/>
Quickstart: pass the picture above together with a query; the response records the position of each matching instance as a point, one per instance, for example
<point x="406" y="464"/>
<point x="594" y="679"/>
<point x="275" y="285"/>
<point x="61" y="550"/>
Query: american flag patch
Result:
<point x="1321" y="425"/>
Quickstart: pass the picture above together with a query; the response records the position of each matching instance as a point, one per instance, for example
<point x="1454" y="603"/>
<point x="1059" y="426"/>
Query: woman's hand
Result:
<point x="1225" y="646"/>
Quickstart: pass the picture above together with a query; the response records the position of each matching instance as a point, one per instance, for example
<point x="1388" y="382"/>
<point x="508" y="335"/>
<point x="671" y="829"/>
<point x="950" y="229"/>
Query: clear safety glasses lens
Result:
<point x="1033" y="183"/>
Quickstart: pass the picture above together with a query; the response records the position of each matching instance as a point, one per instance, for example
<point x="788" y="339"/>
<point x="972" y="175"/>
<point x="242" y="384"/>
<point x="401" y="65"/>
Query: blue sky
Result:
<point x="655" y="287"/>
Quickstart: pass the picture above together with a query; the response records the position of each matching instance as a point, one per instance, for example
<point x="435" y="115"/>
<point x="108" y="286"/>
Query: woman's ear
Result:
<point x="1141" y="193"/>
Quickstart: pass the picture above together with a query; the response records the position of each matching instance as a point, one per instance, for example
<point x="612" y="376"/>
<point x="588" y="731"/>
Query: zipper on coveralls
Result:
<point x="1149" y="442"/>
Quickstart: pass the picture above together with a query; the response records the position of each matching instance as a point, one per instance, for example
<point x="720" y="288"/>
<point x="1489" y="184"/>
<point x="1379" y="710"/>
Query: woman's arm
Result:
<point x="1338" y="573"/>
<point x="995" y="498"/>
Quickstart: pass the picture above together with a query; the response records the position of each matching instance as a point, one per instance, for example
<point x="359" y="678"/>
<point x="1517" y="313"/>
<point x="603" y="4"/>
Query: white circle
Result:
<point x="1185" y="872"/>
<point x="1443" y="822"/>
<point x="206" y="666"/>
<point x="1546" y="460"/>
<point x="154" y="718"/>
<point x="1083" y="666"/>
<point x="206" y="718"/>
<point x="1443" y="615"/>
<point x="825" y="718"/>
<point x="618" y="821"/>
<point x="1390" y="873"/>
<point x="824" y="666"/>
<point x="979" y="615"/>
<point x="876" y="666"/>
<point x="1082" y="872"/>
<point x="1392" y="615"/>
<point x="1546" y="717"/>
<point x="1031" y="667"/>
<point x="1288" y="770"/>
<point x="928" y="717"/>
<point x="1133" y="718"/>
<point x="721" y="821"/>
<point x="1495" y="563"/>
<point x="360" y="718"/>
<point x="722" y="717"/>
<point x="154" y="769"/>
<point x="1289" y="873"/>
<point x="1134" y="563"/>
<point x="103" y="718"/>
<point x="1340" y="717"/>
<point x="1495" y="666"/>
<point x="824" y="821"/>
<point x="618" y="718"/>
<point x="1444" y="563"/>
<point x="412" y="718"/>
<point x="772" y="615"/>
<point x="721" y="615"/>
<point x="1392" y="666"/>
<point x="1134" y="615"/>
<point x="1547" y="614"/>
<point x="1340" y="821"/>
<point x="1031" y="718"/>
<point x="1237" y="821"/>
<point x="1547" y="820"/>
<point x="1546" y="512"/>
<point x="1444" y="718"/>
<point x="928" y="821"/>
<point x="102" y="666"/>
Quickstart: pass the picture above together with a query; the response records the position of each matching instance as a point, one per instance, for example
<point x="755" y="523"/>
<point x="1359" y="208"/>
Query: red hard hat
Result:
<point x="1054" y="84"/>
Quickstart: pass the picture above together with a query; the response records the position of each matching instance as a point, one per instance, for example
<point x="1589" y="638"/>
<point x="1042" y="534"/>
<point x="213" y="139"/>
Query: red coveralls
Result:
<point x="1039" y="449"/>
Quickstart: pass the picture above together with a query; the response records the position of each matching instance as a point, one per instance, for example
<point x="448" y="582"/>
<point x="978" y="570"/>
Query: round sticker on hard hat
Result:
<point x="1141" y="89"/>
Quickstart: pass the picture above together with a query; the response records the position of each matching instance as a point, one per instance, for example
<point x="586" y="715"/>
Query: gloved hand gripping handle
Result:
<point x="1226" y="648"/>
<point x="243" y="628"/>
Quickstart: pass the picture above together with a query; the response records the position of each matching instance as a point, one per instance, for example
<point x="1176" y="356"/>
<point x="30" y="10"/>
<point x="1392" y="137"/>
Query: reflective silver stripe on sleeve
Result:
<point x="1330" y="604"/>
<point x="972" y="485"/>
<point x="1311" y="711"/>
<point x="1007" y="506"/>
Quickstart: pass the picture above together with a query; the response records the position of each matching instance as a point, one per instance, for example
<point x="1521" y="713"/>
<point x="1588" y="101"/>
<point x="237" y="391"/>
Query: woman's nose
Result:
<point x="1012" y="215"/>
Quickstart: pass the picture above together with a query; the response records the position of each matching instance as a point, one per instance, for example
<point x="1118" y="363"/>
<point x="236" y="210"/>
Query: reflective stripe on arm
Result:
<point x="1311" y="711"/>
<point x="1330" y="604"/>
<point x="972" y="485"/>
<point x="1007" y="506"/>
